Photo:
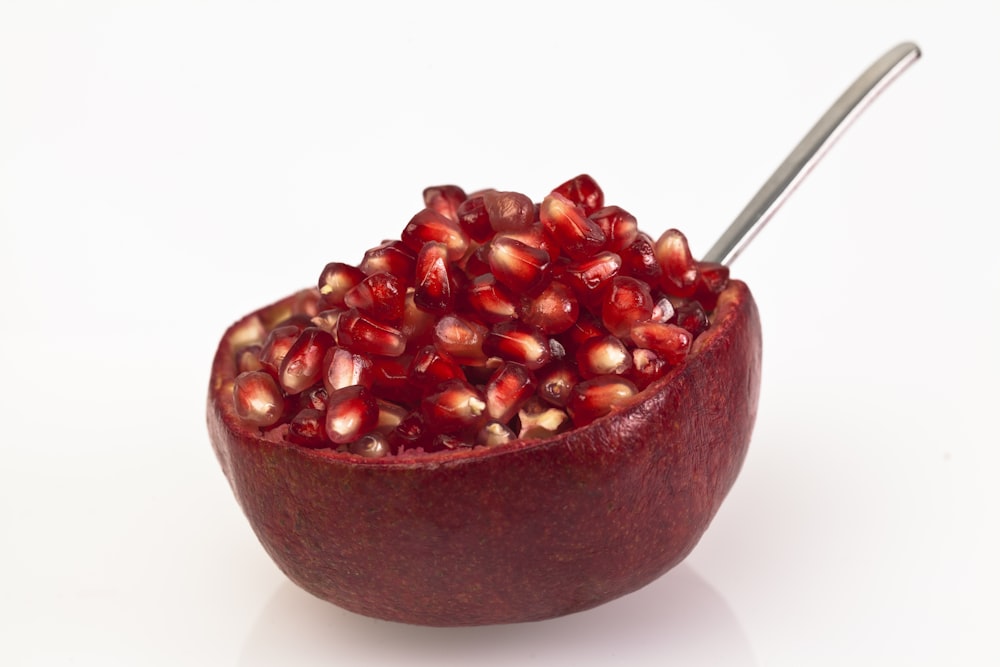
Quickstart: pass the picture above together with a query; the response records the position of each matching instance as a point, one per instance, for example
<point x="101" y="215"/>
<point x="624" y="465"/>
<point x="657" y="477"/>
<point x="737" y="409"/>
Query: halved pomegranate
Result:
<point x="423" y="442"/>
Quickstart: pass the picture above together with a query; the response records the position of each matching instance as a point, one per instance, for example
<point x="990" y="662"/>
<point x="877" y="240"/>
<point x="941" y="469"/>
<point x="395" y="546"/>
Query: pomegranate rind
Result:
<point x="517" y="532"/>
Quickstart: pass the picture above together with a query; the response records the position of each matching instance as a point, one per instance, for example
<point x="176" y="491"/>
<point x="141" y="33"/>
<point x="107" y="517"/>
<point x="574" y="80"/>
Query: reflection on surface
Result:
<point x="678" y="619"/>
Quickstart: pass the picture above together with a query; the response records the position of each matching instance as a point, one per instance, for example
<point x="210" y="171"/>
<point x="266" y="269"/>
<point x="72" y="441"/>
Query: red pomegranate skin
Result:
<point x="520" y="532"/>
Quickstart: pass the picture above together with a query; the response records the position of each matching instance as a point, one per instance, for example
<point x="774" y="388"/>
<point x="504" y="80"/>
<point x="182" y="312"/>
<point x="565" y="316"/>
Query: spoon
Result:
<point x="810" y="150"/>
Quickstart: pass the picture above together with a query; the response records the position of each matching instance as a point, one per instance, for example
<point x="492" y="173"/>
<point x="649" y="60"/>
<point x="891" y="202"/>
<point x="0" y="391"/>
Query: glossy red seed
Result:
<point x="391" y="380"/>
<point x="639" y="260"/>
<point x="662" y="311"/>
<point x="584" y="192"/>
<point x="508" y="211"/>
<point x="390" y="415"/>
<point x="461" y="339"/>
<point x="412" y="433"/>
<point x="585" y="328"/>
<point x="647" y="367"/>
<point x="313" y="398"/>
<point x="334" y="282"/>
<point x="381" y="295"/>
<point x="302" y="366"/>
<point x="248" y="359"/>
<point x="327" y="320"/>
<point x="553" y="311"/>
<point x="680" y="271"/>
<point x="597" y="397"/>
<point x="626" y="302"/>
<point x="488" y="300"/>
<point x="536" y="236"/>
<point x="510" y="386"/>
<point x="516" y="341"/>
<point x="371" y="446"/>
<point x="432" y="288"/>
<point x="445" y="199"/>
<point x="590" y="278"/>
<point x="603" y="356"/>
<point x="390" y="257"/>
<point x="517" y="266"/>
<point x="360" y="333"/>
<point x="344" y="368"/>
<point x="454" y="406"/>
<point x="668" y="340"/>
<point x="555" y="382"/>
<point x="618" y="225"/>
<point x="308" y="428"/>
<point x="430" y="226"/>
<point x="691" y="316"/>
<point x="474" y="219"/>
<point x="712" y="279"/>
<point x="258" y="399"/>
<point x="276" y="346"/>
<point x="578" y="236"/>
<point x="418" y="324"/>
<point x="430" y="368"/>
<point x="350" y="413"/>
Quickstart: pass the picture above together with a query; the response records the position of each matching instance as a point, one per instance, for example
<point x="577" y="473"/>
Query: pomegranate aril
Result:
<point x="712" y="279"/>
<point x="619" y="226"/>
<point x="539" y="420"/>
<point x="680" y="271"/>
<point x="691" y="316"/>
<point x="314" y="398"/>
<point x="639" y="260"/>
<point x="489" y="300"/>
<point x="668" y="340"/>
<point x="590" y="278"/>
<point x="432" y="287"/>
<point x="390" y="415"/>
<point x="662" y="311"/>
<point x="392" y="257"/>
<point x="345" y="368"/>
<point x="413" y="432"/>
<point x="553" y="311"/>
<point x="276" y="346"/>
<point x="430" y="226"/>
<point x="390" y="376"/>
<point x="516" y="341"/>
<point x="510" y="386"/>
<point x="257" y="399"/>
<point x="302" y="365"/>
<point x="474" y="219"/>
<point x="516" y="265"/>
<point x="584" y="192"/>
<point x="597" y="397"/>
<point x="360" y="333"/>
<point x="603" y="356"/>
<point x="350" y="413"/>
<point x="626" y="302"/>
<point x="495" y="433"/>
<point x="508" y="211"/>
<point x="430" y="368"/>
<point x="418" y="324"/>
<point x="585" y="328"/>
<point x="461" y="339"/>
<point x="335" y="281"/>
<point x="577" y="235"/>
<point x="371" y="446"/>
<point x="555" y="383"/>
<point x="536" y="236"/>
<point x="248" y="359"/>
<point x="327" y="320"/>
<point x="647" y="367"/>
<point x="308" y="428"/>
<point x="454" y="406"/>
<point x="381" y="295"/>
<point x="445" y="199"/>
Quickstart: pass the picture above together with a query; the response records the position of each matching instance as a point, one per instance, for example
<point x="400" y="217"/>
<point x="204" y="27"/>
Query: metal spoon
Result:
<point x="813" y="146"/>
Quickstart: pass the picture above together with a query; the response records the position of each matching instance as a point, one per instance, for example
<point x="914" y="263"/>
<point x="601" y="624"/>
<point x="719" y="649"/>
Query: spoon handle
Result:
<point x="809" y="151"/>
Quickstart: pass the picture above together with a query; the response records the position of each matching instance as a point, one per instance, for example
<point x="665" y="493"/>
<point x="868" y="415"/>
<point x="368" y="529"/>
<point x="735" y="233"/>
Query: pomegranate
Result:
<point x="515" y="411"/>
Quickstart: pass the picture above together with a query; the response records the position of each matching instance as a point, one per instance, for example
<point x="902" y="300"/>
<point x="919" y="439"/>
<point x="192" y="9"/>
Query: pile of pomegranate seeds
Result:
<point x="491" y="319"/>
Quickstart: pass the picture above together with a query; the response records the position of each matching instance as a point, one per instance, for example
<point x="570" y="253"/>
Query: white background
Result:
<point x="168" y="166"/>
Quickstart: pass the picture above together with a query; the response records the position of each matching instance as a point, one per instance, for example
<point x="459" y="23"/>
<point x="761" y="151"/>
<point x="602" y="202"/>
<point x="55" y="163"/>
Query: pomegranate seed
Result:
<point x="488" y="300"/>
<point x="307" y="428"/>
<point x="536" y="236"/>
<point x="370" y="446"/>
<point x="248" y="359"/>
<point x="430" y="226"/>
<point x="555" y="383"/>
<point x="619" y="226"/>
<point x="517" y="265"/>
<point x="360" y="333"/>
<point x="516" y="341"/>
<point x="430" y="368"/>
<point x="381" y="295"/>
<point x="510" y="386"/>
<point x="412" y="433"/>
<point x="539" y="420"/>
<point x="461" y="339"/>
<point x="680" y="271"/>
<point x="584" y="192"/>
<point x="433" y="279"/>
<point x="345" y="368"/>
<point x="258" y="399"/>
<point x="639" y="260"/>
<point x="668" y="340"/>
<point x="603" y="356"/>
<point x="350" y="413"/>
<point x="392" y="257"/>
<point x="691" y="316"/>
<point x="590" y="278"/>
<point x="418" y="324"/>
<point x="445" y="199"/>
<point x="712" y="279"/>
<point x="327" y="320"/>
<point x="508" y="211"/>
<point x="455" y="406"/>
<point x="597" y="397"/>
<point x="302" y="366"/>
<point x="627" y="301"/>
<point x="391" y="380"/>
<point x="474" y="219"/>
<point x="495" y="433"/>
<point x="553" y="311"/>
<point x="578" y="236"/>
<point x="335" y="280"/>
<point x="662" y="311"/>
<point x="314" y="398"/>
<point x="276" y="346"/>
<point x="647" y="367"/>
<point x="390" y="415"/>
